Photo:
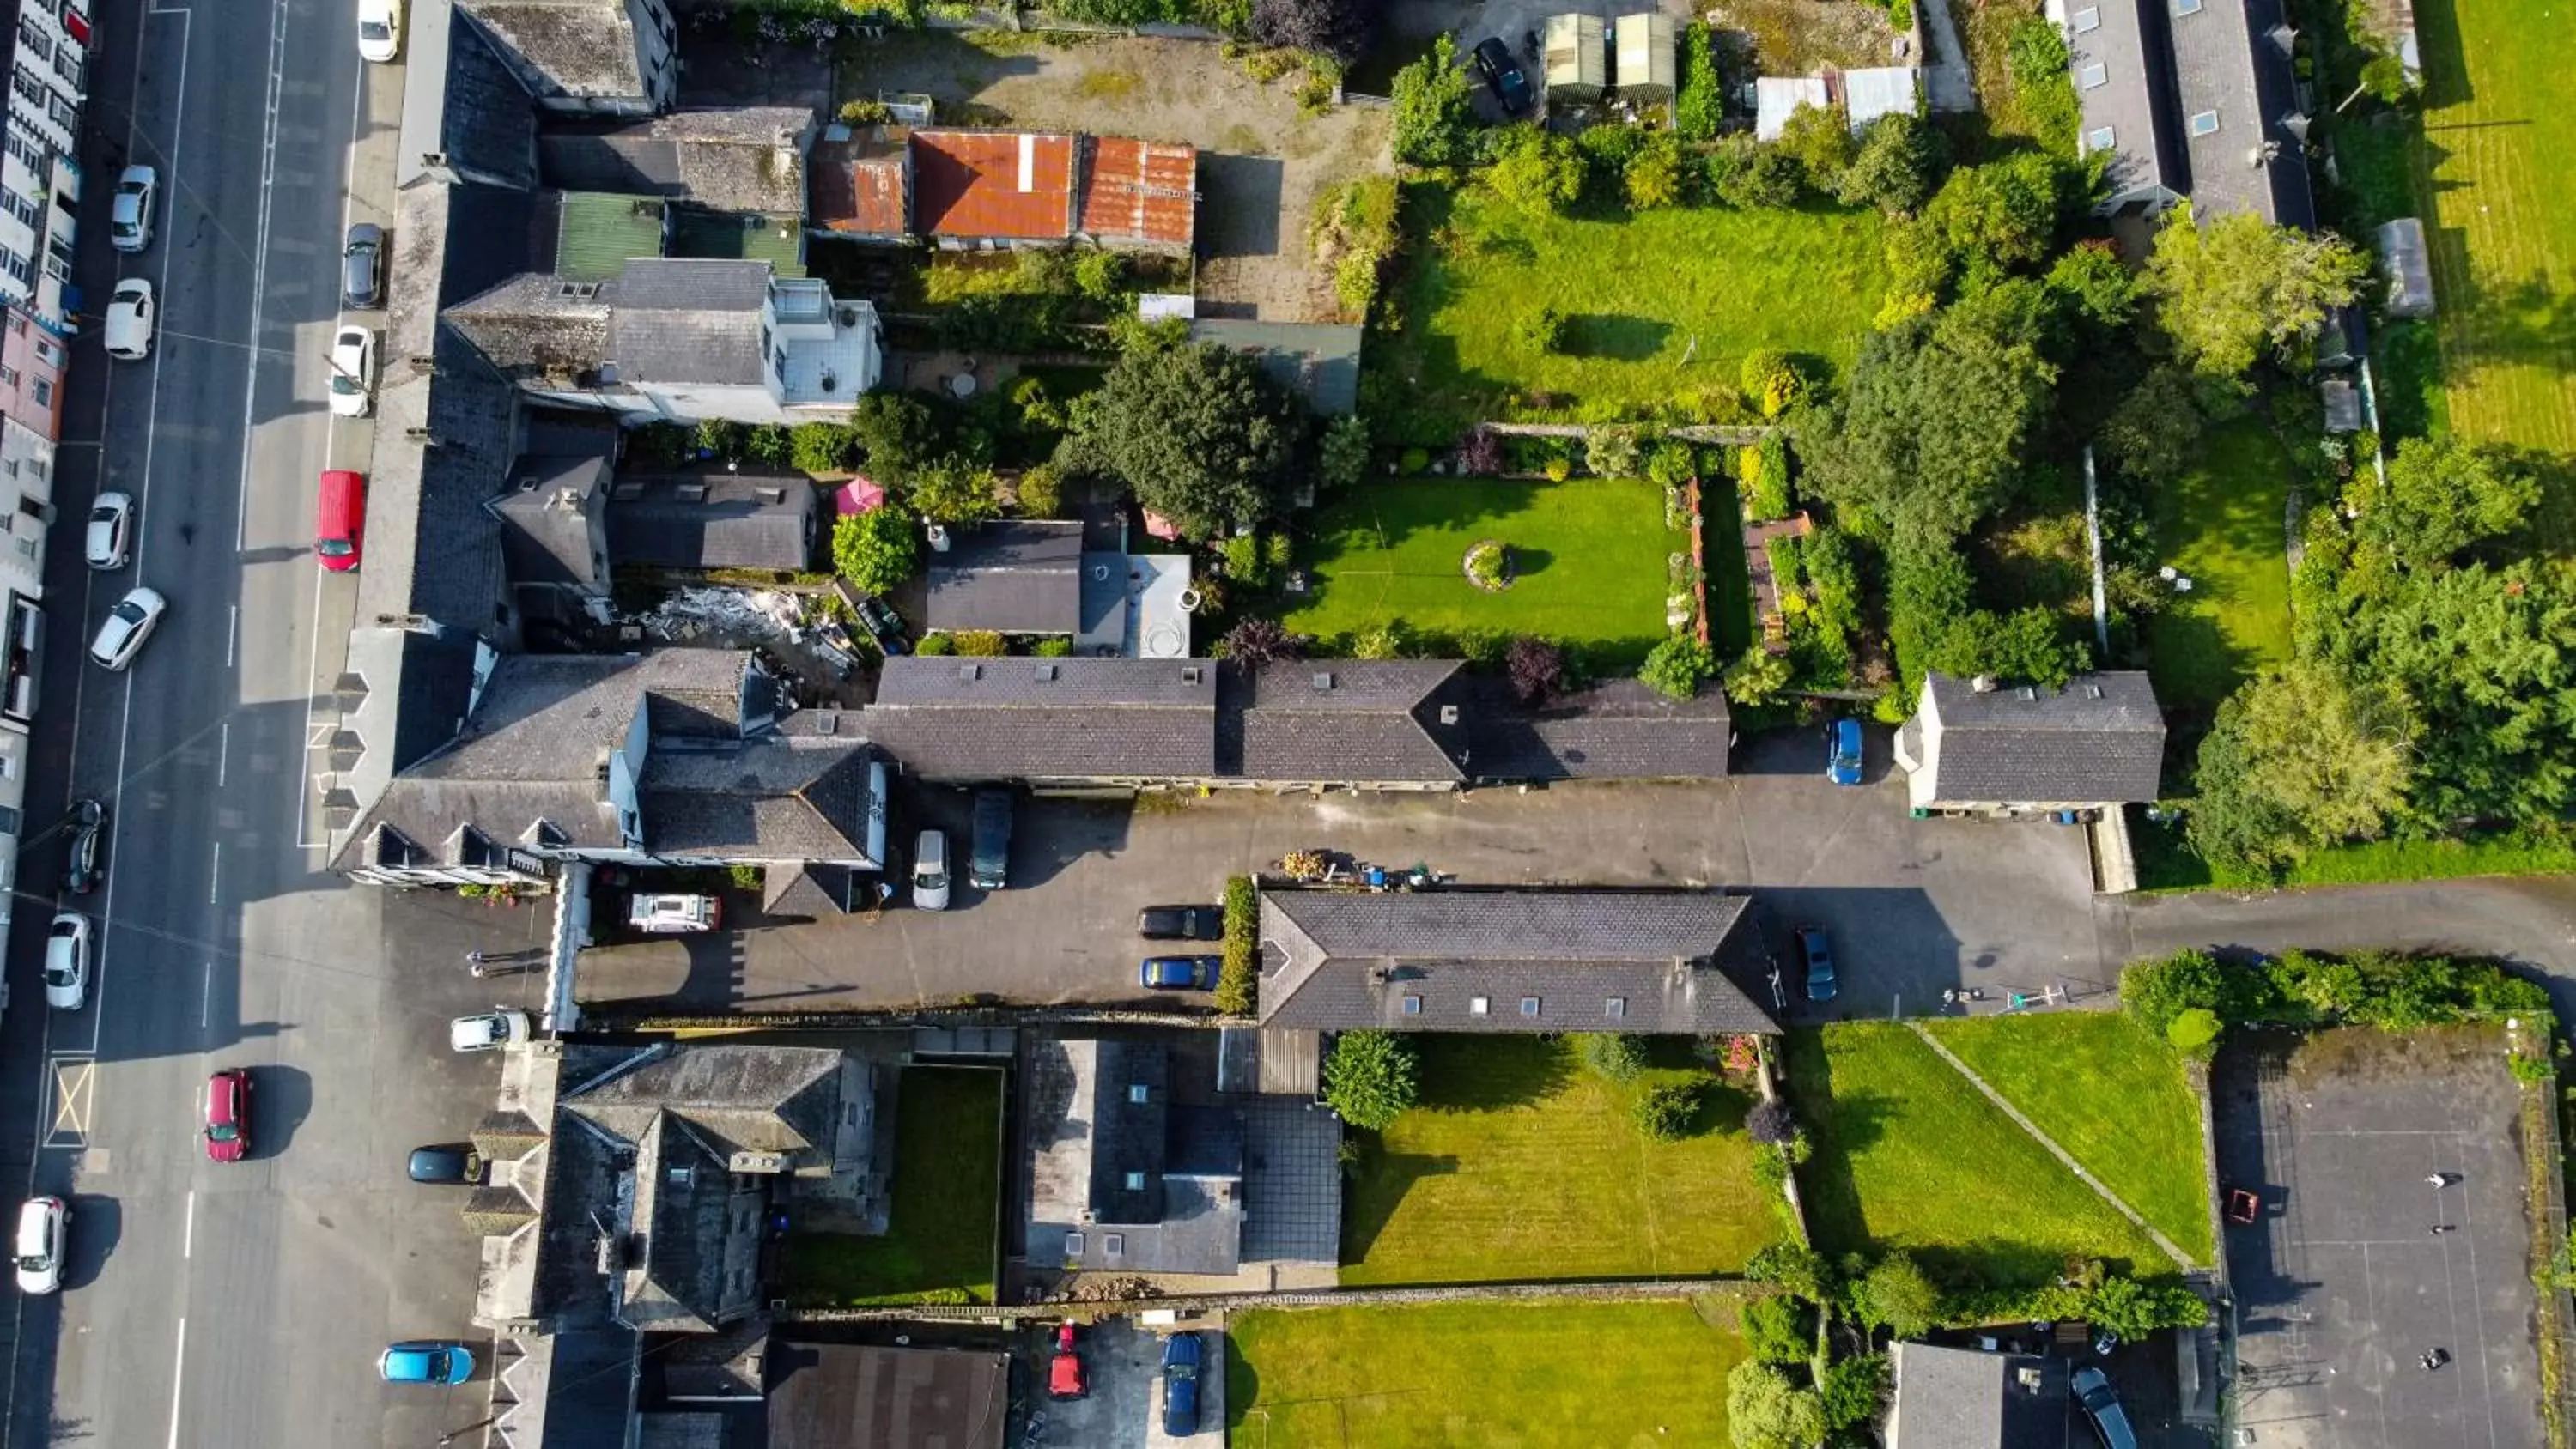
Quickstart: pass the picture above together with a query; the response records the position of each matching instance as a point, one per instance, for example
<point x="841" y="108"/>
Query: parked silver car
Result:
<point x="930" y="872"/>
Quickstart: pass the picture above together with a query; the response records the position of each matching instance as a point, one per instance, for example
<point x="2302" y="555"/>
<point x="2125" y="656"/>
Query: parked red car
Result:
<point x="1064" y="1370"/>
<point x="228" y="1115"/>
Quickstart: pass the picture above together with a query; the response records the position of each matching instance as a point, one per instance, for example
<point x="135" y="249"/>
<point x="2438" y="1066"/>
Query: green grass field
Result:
<point x="1543" y="1376"/>
<point x="2110" y="1093"/>
<point x="2166" y="864"/>
<point x="1636" y="293"/>
<point x="2501" y="221"/>
<point x="1520" y="1163"/>
<point x="2221" y="525"/>
<point x="1908" y="1155"/>
<point x="947" y="1187"/>
<point x="1590" y="554"/>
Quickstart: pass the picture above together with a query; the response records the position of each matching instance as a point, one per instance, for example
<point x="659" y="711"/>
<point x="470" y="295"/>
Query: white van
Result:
<point x="129" y="320"/>
<point x="665" y="915"/>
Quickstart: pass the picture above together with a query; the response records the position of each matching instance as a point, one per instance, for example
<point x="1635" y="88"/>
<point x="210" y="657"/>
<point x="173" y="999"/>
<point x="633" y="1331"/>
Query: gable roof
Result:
<point x="2125" y="39"/>
<point x="486" y="126"/>
<point x="1621" y="730"/>
<point x="712" y="521"/>
<point x="1001" y="719"/>
<point x="546" y="516"/>
<point x="862" y="181"/>
<point x="733" y="158"/>
<point x="787" y="800"/>
<point x="1017" y="577"/>
<point x="1351" y="719"/>
<point x="584" y="49"/>
<point x="1638" y="961"/>
<point x="756" y="1099"/>
<point x="834" y="1396"/>
<point x="687" y="319"/>
<point x="1015" y="185"/>
<point x="536" y="327"/>
<point x="2101" y="738"/>
<point x="2233" y="60"/>
<point x="1138" y="193"/>
<point x="1956" y="1398"/>
<point x="1112" y="1151"/>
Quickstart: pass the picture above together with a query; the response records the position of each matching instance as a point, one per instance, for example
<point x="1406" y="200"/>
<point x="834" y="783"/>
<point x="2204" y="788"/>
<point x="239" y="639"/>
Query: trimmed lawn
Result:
<point x="2165" y="862"/>
<point x="1658" y="306"/>
<point x="2501" y="223"/>
<point x="1591" y="556"/>
<point x="1511" y="1376"/>
<point x="1520" y="1163"/>
<point x="2221" y="525"/>
<point x="943" y="1237"/>
<point x="1909" y="1155"/>
<point x="2110" y="1093"/>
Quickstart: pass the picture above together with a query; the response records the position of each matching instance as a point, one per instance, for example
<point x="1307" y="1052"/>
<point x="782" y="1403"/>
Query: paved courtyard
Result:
<point x="2342" y="1284"/>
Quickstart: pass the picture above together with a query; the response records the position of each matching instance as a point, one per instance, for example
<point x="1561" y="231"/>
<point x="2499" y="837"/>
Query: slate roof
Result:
<point x="432" y="551"/>
<point x="1655" y="962"/>
<point x="487" y="127"/>
<point x="783" y="1099"/>
<point x="566" y="48"/>
<point x="862" y="182"/>
<point x="2126" y="39"/>
<point x="2234" y="59"/>
<point x="1018" y="577"/>
<point x="712" y="521"/>
<point x="834" y="1396"/>
<point x="1352" y="719"/>
<point x="800" y="801"/>
<point x="746" y="158"/>
<point x="1617" y="731"/>
<point x="1012" y="185"/>
<point x="546" y="516"/>
<point x="537" y="327"/>
<point x="1001" y="719"/>
<point x="1114" y="1153"/>
<point x="2099" y="739"/>
<point x="1318" y="361"/>
<point x="1954" y="1398"/>
<point x="688" y="320"/>
<point x="1138" y="193"/>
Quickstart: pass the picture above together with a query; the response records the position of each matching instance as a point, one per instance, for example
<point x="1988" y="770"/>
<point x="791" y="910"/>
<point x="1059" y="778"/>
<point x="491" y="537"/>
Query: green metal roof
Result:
<point x="740" y="236"/>
<point x="598" y="233"/>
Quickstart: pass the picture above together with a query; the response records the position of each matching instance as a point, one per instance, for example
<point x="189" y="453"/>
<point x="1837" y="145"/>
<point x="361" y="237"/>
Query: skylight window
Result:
<point x="2088" y="20"/>
<point x="2094" y="77"/>
<point x="2100" y="138"/>
<point x="2205" y="124"/>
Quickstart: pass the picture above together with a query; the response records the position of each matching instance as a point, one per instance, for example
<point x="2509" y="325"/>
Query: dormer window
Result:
<point x="1135" y="1182"/>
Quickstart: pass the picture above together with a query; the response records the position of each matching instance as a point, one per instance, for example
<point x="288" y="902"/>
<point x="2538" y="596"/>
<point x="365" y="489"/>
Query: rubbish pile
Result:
<point x="749" y="618"/>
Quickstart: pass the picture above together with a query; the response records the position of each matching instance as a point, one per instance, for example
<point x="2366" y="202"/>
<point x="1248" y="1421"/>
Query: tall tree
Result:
<point x="2297" y="760"/>
<point x="1434" y="117"/>
<point x="1899" y="165"/>
<point x="2441" y="496"/>
<point x="1337" y="28"/>
<point x="1199" y="434"/>
<point x="1764" y="1410"/>
<point x="2231" y="288"/>
<point x="1928" y="437"/>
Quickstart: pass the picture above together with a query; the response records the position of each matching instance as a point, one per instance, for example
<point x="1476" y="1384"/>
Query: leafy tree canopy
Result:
<point x="1895" y="1294"/>
<point x="1198" y="433"/>
<point x="2233" y="288"/>
<point x="1927" y="438"/>
<point x="1899" y="165"/>
<point x="1336" y="28"/>
<point x="1764" y="1410"/>
<point x="2441" y="496"/>
<point x="876" y="550"/>
<point x="1535" y="171"/>
<point x="2301" y="759"/>
<point x="1434" y="123"/>
<point x="1371" y="1078"/>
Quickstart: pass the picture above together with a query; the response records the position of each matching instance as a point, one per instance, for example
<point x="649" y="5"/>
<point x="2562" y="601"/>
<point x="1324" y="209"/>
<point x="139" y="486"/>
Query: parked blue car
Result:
<point x="426" y="1361"/>
<point x="1818" y="954"/>
<point x="1181" y="1385"/>
<point x="1842" y="763"/>
<point x="1180" y="973"/>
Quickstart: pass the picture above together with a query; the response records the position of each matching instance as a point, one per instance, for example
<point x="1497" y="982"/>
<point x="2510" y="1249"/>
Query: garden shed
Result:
<point x="1577" y="63"/>
<point x="1777" y="97"/>
<point x="2408" y="267"/>
<point x="1645" y="57"/>
<point x="1876" y="91"/>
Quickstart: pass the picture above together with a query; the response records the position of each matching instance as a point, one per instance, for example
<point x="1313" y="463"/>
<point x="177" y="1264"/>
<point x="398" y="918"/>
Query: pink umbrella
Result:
<point x="1161" y="527"/>
<point x="859" y="495"/>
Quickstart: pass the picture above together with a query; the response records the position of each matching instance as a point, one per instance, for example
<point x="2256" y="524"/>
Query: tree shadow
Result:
<point x="1615" y="336"/>
<point x="1838" y="1126"/>
<point x="1377" y="1188"/>
<point x="1528" y="561"/>
<point x="1484" y="1074"/>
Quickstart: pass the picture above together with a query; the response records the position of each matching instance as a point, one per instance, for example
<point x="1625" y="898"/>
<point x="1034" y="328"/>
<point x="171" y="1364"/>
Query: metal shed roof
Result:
<point x="1881" y="91"/>
<point x="1645" y="56"/>
<point x="1778" y="97"/>
<point x="1577" y="64"/>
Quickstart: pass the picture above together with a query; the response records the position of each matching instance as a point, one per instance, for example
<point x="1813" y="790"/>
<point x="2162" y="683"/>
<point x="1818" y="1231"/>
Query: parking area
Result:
<point x="1124" y="1410"/>
<point x="2358" y="1265"/>
<point x="1999" y="907"/>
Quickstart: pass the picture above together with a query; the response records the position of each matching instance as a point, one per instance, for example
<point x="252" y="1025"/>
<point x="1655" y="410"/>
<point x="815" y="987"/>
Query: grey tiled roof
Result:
<point x="778" y="800"/>
<point x="2099" y="739"/>
<point x="688" y="319"/>
<point x="546" y="517"/>
<point x="1619" y="731"/>
<point x="741" y="159"/>
<point x="1955" y="1398"/>
<point x="999" y="719"/>
<point x="1353" y="719"/>
<point x="2233" y="57"/>
<point x="432" y="550"/>
<point x="735" y="521"/>
<point x="1337" y="961"/>
<point x="1089" y="1139"/>
<point x="2127" y="41"/>
<point x="486" y="126"/>
<point x="577" y="48"/>
<point x="783" y="1099"/>
<point x="537" y="326"/>
<point x="1020" y="577"/>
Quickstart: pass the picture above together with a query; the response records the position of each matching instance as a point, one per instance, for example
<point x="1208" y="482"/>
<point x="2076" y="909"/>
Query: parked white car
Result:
<point x="379" y="30"/>
<point x="353" y="372"/>
<point x="129" y="320"/>
<point x="496" y="1028"/>
<point x="672" y="915"/>
<point x="930" y="872"/>
<point x="42" y="1223"/>
<point x="111" y="531"/>
<point x="129" y="212"/>
<point x="128" y="625"/>
<point x="67" y="961"/>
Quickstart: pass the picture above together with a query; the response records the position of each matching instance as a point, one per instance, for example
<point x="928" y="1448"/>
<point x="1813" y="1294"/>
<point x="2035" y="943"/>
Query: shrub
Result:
<point x="1543" y="330"/>
<point x="1764" y="1410"/>
<point x="933" y="645"/>
<point x="953" y="492"/>
<point x="1536" y="667"/>
<point x="1895" y="1295"/>
<point x="820" y="447"/>
<point x="1344" y="453"/>
<point x="2157" y="992"/>
<point x="1256" y="641"/>
<point x="1489" y="563"/>
<point x="1238" y="982"/>
<point x="2194" y="1033"/>
<point x="1041" y="491"/>
<point x="1855" y="1389"/>
<point x="1414" y="462"/>
<point x="866" y="113"/>
<point x="1434" y="115"/>
<point x="1793" y="1268"/>
<point x="1559" y="468"/>
<point x="1658" y="174"/>
<point x="896" y="432"/>
<point x="720" y="438"/>
<point x="1480" y="453"/>
<point x="1242" y="555"/>
<point x="1750" y="176"/>
<point x="2036" y="58"/>
<point x="745" y="877"/>
<point x="1664" y="1111"/>
<point x="875" y="550"/>
<point x="1772" y="381"/>
<point x="1612" y="452"/>
<point x="1700" y="107"/>
<point x="1054" y="646"/>
<point x="981" y="643"/>
<point x="1776" y="1331"/>
<point x="1670" y="464"/>
<point x="1613" y="1055"/>
<point x="1758" y="677"/>
<point x="1771" y="1122"/>
<point x="1537" y="172"/>
<point x="1678" y="667"/>
<point x="1380" y="641"/>
<point x="1371" y="1078"/>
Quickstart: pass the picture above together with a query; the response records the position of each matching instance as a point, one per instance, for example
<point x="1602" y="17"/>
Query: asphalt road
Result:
<point x="227" y="1304"/>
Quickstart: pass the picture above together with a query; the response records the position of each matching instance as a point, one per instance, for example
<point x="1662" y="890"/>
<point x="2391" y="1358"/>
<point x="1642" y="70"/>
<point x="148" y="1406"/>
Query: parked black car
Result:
<point x="883" y="625"/>
<point x="88" y="836"/>
<point x="455" y="1162"/>
<point x="1818" y="953"/>
<point x="988" y="865"/>
<point x="362" y="266"/>
<point x="1502" y="75"/>
<point x="1181" y="923"/>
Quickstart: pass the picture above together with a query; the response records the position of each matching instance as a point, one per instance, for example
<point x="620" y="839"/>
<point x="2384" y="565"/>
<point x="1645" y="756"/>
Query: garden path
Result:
<point x="2180" y="1258"/>
<point x="1945" y="68"/>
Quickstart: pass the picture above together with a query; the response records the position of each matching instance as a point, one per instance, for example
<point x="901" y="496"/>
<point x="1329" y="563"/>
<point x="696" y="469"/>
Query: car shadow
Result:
<point x="280" y="1099"/>
<point x="97" y="1225"/>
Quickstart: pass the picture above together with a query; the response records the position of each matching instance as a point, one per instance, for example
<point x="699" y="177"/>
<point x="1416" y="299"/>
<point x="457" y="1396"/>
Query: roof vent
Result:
<point x="1983" y="684"/>
<point x="828" y="722"/>
<point x="773" y="495"/>
<point x="690" y="492"/>
<point x="1190" y="674"/>
<point x="969" y="673"/>
<point x="1448" y="714"/>
<point x="1046" y="672"/>
<point x="608" y="374"/>
<point x="849" y="316"/>
<point x="1323" y="680"/>
<point x="2029" y="694"/>
<point x="2092" y="691"/>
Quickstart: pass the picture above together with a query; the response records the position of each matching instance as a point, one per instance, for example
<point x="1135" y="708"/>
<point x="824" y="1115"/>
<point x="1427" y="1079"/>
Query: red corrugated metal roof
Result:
<point x="1139" y="191"/>
<point x="1014" y="184"/>
<point x="858" y="185"/>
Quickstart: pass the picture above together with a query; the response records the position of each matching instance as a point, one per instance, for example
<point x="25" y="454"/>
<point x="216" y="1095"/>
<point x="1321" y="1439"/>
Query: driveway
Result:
<point x="1124" y="1410"/>
<point x="1914" y="905"/>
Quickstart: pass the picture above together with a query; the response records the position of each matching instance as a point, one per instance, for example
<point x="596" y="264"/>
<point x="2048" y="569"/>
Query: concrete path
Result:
<point x="1945" y="65"/>
<point x="2043" y="1139"/>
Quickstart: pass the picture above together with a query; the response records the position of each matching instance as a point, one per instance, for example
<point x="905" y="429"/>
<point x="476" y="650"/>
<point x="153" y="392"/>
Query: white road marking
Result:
<point x="188" y="1235"/>
<point x="232" y="632"/>
<point x="206" y="1003"/>
<point x="224" y="755"/>
<point x="215" y="876"/>
<point x="259" y="254"/>
<point x="178" y="1380"/>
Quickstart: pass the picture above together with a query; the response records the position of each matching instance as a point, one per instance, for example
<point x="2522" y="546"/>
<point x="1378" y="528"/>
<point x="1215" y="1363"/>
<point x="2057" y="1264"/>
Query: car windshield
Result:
<point x="343" y="383"/>
<point x="221" y="1132"/>
<point x="936" y="880"/>
<point x="102" y="515"/>
<point x="334" y="548"/>
<point x="59" y="975"/>
<point x="32" y="1265"/>
<point x="375" y="30"/>
<point x="129" y="611"/>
